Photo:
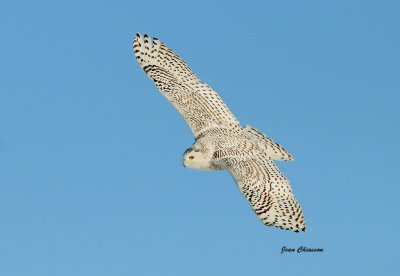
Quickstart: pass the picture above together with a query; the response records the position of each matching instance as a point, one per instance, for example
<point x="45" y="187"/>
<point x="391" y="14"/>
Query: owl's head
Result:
<point x="197" y="158"/>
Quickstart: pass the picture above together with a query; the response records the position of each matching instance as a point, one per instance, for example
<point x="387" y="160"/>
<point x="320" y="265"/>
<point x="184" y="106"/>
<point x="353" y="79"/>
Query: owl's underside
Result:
<point x="220" y="142"/>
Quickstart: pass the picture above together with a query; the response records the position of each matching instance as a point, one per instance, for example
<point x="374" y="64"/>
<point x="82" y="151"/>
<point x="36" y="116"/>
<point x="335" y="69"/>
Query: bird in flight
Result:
<point x="220" y="142"/>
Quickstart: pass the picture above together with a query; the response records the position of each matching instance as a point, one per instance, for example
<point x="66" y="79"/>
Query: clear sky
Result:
<point x="91" y="179"/>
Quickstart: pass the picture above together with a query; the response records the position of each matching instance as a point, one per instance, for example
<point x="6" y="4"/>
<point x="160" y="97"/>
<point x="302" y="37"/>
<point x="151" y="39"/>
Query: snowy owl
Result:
<point x="220" y="142"/>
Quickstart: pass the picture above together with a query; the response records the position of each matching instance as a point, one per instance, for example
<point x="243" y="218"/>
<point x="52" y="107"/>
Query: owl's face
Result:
<point x="197" y="159"/>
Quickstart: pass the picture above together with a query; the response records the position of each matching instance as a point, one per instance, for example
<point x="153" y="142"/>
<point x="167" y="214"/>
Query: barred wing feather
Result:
<point x="267" y="190"/>
<point x="198" y="104"/>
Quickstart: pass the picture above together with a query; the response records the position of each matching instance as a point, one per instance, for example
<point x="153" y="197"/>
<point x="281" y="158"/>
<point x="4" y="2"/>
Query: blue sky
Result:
<point x="90" y="153"/>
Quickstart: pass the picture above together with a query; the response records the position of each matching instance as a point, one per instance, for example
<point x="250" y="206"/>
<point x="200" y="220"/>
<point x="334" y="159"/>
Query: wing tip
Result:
<point x="144" y="49"/>
<point x="153" y="52"/>
<point x="299" y="229"/>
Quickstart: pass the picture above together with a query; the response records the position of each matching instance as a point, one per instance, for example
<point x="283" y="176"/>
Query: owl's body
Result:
<point x="220" y="142"/>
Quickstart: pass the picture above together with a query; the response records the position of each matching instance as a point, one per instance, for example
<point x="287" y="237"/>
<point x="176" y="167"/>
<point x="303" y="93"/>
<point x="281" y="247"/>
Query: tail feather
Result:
<point x="274" y="150"/>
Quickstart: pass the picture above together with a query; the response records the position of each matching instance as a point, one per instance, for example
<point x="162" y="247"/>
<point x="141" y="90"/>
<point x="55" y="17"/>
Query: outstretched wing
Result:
<point x="199" y="105"/>
<point x="267" y="190"/>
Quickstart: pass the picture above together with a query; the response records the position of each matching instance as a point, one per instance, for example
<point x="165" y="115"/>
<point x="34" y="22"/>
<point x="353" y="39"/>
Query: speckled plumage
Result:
<point x="220" y="142"/>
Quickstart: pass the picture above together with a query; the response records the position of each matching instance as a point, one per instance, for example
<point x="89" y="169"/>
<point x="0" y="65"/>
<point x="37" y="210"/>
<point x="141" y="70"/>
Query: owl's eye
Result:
<point x="191" y="157"/>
